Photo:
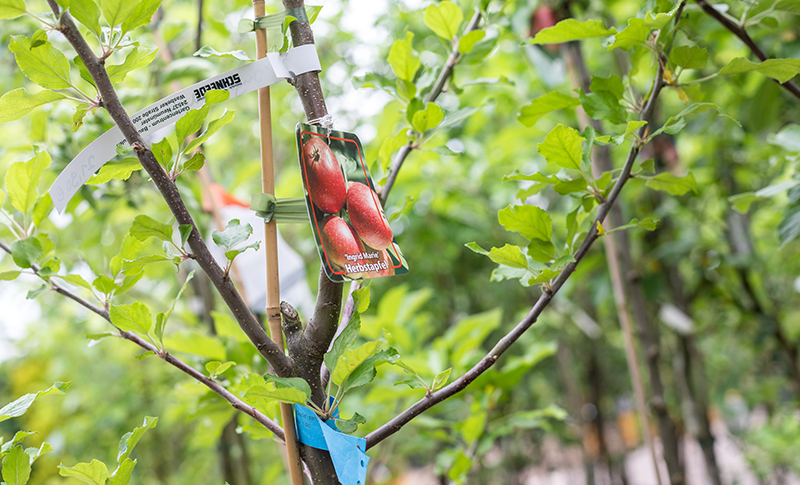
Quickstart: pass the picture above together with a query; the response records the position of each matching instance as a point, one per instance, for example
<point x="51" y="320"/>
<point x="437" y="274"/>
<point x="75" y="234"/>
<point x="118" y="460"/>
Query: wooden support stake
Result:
<point x="271" y="247"/>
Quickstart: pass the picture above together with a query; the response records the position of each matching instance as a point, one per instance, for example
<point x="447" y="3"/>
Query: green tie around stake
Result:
<point x="270" y="208"/>
<point x="276" y="20"/>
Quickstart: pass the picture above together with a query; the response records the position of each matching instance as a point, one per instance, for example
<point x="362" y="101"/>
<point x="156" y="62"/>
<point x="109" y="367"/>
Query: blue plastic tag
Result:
<point x="347" y="452"/>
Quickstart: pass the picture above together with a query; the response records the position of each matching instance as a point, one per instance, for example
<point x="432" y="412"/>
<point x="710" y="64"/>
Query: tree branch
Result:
<point x="740" y="32"/>
<point x="395" y="424"/>
<point x="170" y="359"/>
<point x="275" y="356"/>
<point x="438" y="87"/>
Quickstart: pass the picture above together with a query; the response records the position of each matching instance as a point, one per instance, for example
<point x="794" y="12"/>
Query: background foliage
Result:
<point x="723" y="255"/>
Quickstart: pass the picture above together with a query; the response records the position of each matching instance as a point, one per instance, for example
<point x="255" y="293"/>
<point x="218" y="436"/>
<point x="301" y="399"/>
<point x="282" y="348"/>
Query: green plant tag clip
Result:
<point x="269" y="208"/>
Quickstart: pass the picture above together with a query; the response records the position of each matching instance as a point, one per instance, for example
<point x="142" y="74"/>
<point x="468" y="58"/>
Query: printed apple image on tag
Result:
<point x="352" y="232"/>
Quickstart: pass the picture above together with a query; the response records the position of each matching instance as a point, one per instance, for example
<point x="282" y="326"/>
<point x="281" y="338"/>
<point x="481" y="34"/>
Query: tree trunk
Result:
<point x="625" y="268"/>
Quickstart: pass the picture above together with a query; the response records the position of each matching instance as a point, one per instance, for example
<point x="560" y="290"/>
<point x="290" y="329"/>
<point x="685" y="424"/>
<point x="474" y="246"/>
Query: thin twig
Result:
<point x="170" y="359"/>
<point x="740" y="32"/>
<point x="438" y="87"/>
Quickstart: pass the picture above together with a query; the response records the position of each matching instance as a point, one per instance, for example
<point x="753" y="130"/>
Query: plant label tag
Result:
<point x="163" y="113"/>
<point x="351" y="231"/>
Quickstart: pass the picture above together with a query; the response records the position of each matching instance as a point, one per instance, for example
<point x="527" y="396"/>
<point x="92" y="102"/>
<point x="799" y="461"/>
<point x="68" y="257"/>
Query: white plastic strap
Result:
<point x="167" y="111"/>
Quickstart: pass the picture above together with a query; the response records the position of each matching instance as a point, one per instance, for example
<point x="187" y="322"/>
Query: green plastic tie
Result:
<point x="275" y="20"/>
<point x="270" y="208"/>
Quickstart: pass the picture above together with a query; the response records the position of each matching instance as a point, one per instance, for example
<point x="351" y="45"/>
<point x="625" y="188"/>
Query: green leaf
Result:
<point x="208" y="51"/>
<point x="350" y="426"/>
<point x="88" y="13"/>
<point x="21" y="405"/>
<point x="117" y="11"/>
<point x="633" y="126"/>
<point x="17" y="103"/>
<point x="391" y="145"/>
<point x="145" y="227"/>
<point x="528" y="220"/>
<point x="552" y="101"/>
<point x="365" y="373"/>
<point x="9" y="275"/>
<point x="141" y="14"/>
<point x="689" y="57"/>
<point x="215" y="367"/>
<point x="473" y="246"/>
<point x="603" y="105"/>
<point x="660" y="20"/>
<point x="104" y="284"/>
<point x="648" y="224"/>
<point x="35" y="453"/>
<point x="351" y="359"/>
<point x="10" y="9"/>
<point x="122" y="475"/>
<point x="541" y="251"/>
<point x="16" y="467"/>
<point x="468" y="41"/>
<point x="403" y="60"/>
<point x="612" y="84"/>
<point x="138" y="57"/>
<point x="676" y="123"/>
<point x="162" y="150"/>
<point x="115" y="170"/>
<point x="197" y="344"/>
<point x="22" y="180"/>
<point x="781" y="69"/>
<point x="76" y="280"/>
<point x="186" y="231"/>
<point x="444" y="19"/>
<point x="192" y="121"/>
<point x="195" y="163"/>
<point x="562" y="147"/>
<point x="234" y="233"/>
<point x="509" y="255"/>
<point x="543" y="277"/>
<point x="45" y="65"/>
<point x="291" y="390"/>
<point x="673" y="184"/>
<point x="136" y="266"/>
<point x="130" y="439"/>
<point x="94" y="473"/>
<point x="343" y="342"/>
<point x="132" y="318"/>
<point x="634" y="34"/>
<point x="361" y="299"/>
<point x="441" y="379"/>
<point x="41" y="209"/>
<point x="565" y="187"/>
<point x="428" y="119"/>
<point x="26" y="252"/>
<point x="571" y="29"/>
<point x="213" y="127"/>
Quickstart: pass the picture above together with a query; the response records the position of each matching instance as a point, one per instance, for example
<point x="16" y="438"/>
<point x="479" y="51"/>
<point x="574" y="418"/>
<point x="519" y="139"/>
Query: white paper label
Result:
<point x="167" y="111"/>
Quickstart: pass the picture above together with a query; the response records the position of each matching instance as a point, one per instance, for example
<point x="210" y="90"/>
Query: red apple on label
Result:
<point x="367" y="216"/>
<point x="325" y="179"/>
<point x="338" y="240"/>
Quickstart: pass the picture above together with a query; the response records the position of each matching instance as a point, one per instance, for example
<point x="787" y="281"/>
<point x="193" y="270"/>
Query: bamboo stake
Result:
<point x="271" y="249"/>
